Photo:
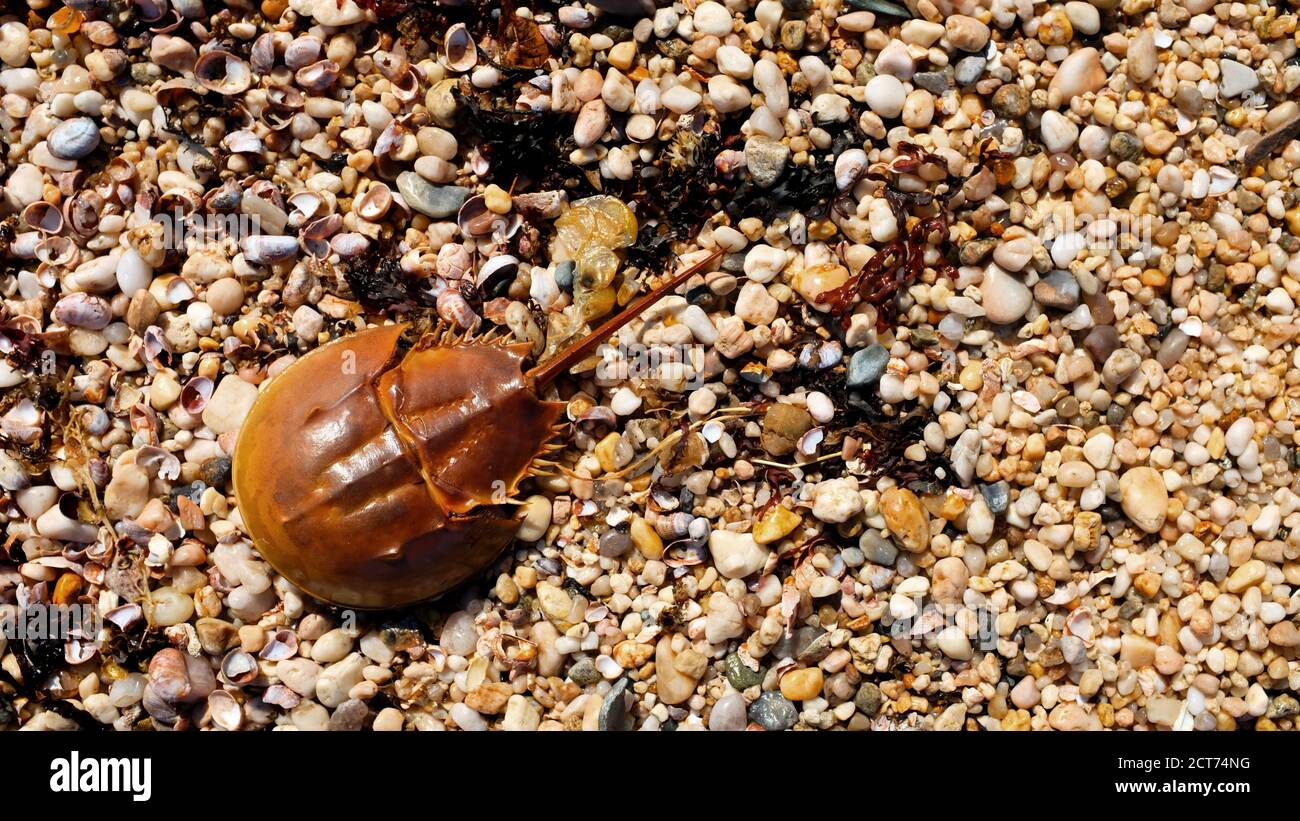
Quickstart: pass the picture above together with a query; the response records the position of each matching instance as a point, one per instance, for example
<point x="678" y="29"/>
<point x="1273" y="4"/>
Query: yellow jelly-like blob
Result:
<point x="595" y="304"/>
<point x="615" y="224"/>
<point x="597" y="265"/>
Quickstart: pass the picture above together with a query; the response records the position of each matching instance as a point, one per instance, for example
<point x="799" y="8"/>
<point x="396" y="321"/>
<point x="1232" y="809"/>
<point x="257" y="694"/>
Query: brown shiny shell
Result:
<point x="374" y="478"/>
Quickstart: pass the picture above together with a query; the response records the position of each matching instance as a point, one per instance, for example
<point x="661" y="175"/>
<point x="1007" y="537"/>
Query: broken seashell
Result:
<point x="82" y="310"/>
<point x="302" y="51"/>
<point x="44" y="217"/>
<point x="477" y="220"/>
<point x="459" y="51"/>
<point x="318" y="77"/>
<point x="349" y="244"/>
<point x="195" y="395"/>
<point x="243" y="142"/>
<point x="811" y="441"/>
<point x="239" y="668"/>
<point x="223" y="72"/>
<point x="264" y="249"/>
<point x="374" y="204"/>
<point x="57" y="251"/>
<point x="497" y="270"/>
<point x="225" y="712"/>
<point x="283" y="645"/>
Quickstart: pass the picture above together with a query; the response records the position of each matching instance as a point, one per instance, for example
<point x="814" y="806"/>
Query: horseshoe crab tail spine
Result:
<point x="546" y="372"/>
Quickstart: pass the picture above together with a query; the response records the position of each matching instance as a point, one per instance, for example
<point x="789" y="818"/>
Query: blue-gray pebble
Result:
<point x="437" y="201"/>
<point x="867" y="365"/>
<point x="773" y="711"/>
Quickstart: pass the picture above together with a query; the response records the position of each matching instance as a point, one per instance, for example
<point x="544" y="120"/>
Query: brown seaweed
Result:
<point x="902" y="261"/>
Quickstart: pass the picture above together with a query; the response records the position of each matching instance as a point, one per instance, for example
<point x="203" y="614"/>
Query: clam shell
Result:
<point x="79" y="651"/>
<point x="406" y="86"/>
<point x="286" y="97"/>
<point x="811" y="441"/>
<point x="283" y="645"/>
<point x="305" y="205"/>
<point x="1221" y="181"/>
<point x="121" y="170"/>
<point x="124" y="616"/>
<point x="151" y="11"/>
<point x="262" y="55"/>
<point x="239" y="668"/>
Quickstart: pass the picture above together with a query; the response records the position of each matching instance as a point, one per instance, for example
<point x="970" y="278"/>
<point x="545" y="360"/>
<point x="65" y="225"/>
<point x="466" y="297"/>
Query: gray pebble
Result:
<point x="877" y="549"/>
<point x="867" y="365"/>
<point x="1101" y="342"/>
<point x="584" y="673"/>
<point x="1172" y="348"/>
<point x="613" y="710"/>
<point x="996" y="496"/>
<point x="437" y="201"/>
<point x="797" y="643"/>
<point x="935" y="82"/>
<point x="615" y="543"/>
<point x="564" y="271"/>
<point x="773" y="711"/>
<point x="868" y="699"/>
<point x="817" y="649"/>
<point x="349" y="716"/>
<point x="969" y="70"/>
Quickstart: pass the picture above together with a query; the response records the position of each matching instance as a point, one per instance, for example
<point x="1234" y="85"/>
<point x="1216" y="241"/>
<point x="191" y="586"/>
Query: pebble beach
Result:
<point x="980" y="414"/>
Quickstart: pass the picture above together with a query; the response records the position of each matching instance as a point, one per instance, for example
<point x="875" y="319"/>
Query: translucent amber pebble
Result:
<point x="66" y="21"/>
<point x="627" y="288"/>
<point x="816" y="280"/>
